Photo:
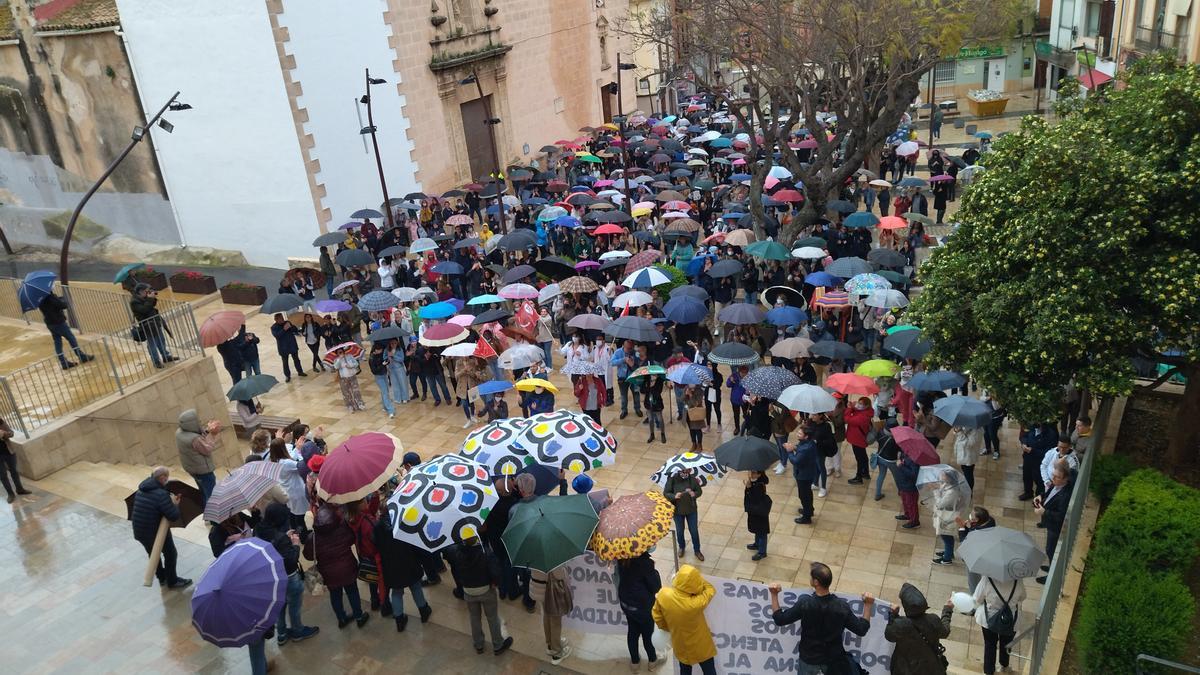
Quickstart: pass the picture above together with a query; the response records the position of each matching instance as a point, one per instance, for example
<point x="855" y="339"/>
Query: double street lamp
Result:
<point x="620" y="120"/>
<point x="370" y="129"/>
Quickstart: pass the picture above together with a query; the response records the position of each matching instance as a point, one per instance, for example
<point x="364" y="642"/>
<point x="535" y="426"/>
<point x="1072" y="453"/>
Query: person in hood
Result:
<point x="679" y="610"/>
<point x="196" y="445"/>
<point x="917" y="635"/>
<point x="151" y="504"/>
<point x="274" y="528"/>
<point x="637" y="584"/>
<point x="824" y="618"/>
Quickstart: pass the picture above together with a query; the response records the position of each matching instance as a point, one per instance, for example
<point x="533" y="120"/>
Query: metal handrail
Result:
<point x="1162" y="662"/>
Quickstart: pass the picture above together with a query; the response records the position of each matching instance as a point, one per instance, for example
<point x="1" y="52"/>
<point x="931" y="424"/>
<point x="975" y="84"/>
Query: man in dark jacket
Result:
<point x="285" y="339"/>
<point x="54" y="313"/>
<point x="273" y="528"/>
<point x="400" y="565"/>
<point x="479" y="572"/>
<point x="823" y="618"/>
<point x="1052" y="507"/>
<point x="807" y="464"/>
<point x="1034" y="444"/>
<point x="231" y="355"/>
<point x="916" y="634"/>
<point x="151" y="504"/>
<point x="8" y="465"/>
<point x="144" y="306"/>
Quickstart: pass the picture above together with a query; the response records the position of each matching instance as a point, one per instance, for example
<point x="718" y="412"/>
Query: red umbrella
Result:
<point x="644" y="259"/>
<point x="359" y="466"/>
<point x="852" y="384"/>
<point x="892" y="223"/>
<point x="609" y="228"/>
<point x="556" y="186"/>
<point x="349" y="347"/>
<point x="443" y="334"/>
<point x="788" y="196"/>
<point x="220" y="327"/>
<point x="719" y="238"/>
<point x="916" y="446"/>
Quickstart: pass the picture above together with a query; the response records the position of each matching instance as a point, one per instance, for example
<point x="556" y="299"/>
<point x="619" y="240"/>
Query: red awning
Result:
<point x="1091" y="78"/>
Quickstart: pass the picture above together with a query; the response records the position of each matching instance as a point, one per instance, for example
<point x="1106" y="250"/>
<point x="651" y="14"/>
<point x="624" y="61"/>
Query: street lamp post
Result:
<point x="490" y="122"/>
<point x="628" y="206"/>
<point x="370" y="129"/>
<point x="138" y="134"/>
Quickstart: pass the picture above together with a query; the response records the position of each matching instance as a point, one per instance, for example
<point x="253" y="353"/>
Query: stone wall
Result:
<point x="135" y="428"/>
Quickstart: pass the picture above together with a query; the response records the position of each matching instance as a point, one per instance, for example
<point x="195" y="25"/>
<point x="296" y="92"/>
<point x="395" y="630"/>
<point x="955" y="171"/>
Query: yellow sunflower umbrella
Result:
<point x="631" y="525"/>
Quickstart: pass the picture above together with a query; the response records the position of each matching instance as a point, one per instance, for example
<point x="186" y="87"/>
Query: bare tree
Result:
<point x="844" y="70"/>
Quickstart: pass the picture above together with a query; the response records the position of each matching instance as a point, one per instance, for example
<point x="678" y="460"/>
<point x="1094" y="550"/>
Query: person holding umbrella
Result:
<point x="949" y="503"/>
<point x="274" y="529"/>
<point x="54" y="313"/>
<point x="858" y="426"/>
<point x="905" y="474"/>
<point x="652" y="392"/>
<point x="683" y="488"/>
<point x="151" y="504"/>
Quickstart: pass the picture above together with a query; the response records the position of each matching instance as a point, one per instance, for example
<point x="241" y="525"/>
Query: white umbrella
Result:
<point x="423" y="244"/>
<point x="632" y="299"/>
<point x="548" y="293"/>
<point x="520" y="356"/>
<point x="609" y="255"/>
<point x="461" y="349"/>
<point x="886" y="299"/>
<point x="907" y="148"/>
<point x="405" y="294"/>
<point x="698" y="151"/>
<point x="780" y="173"/>
<point x="646" y="277"/>
<point x="880" y="183"/>
<point x="511" y="200"/>
<point x="807" y="398"/>
<point x="708" y="136"/>
<point x="808" y="253"/>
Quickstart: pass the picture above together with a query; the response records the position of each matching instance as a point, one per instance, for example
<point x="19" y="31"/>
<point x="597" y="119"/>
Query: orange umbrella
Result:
<point x="609" y="228"/>
<point x="851" y="384"/>
<point x="892" y="223"/>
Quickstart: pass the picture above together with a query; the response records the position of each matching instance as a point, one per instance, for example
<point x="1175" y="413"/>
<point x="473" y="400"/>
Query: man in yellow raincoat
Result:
<point x="679" y="610"/>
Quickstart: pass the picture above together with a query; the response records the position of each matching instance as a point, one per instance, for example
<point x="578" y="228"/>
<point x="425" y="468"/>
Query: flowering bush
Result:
<point x="240" y="286"/>
<point x="189" y="274"/>
<point x="143" y="272"/>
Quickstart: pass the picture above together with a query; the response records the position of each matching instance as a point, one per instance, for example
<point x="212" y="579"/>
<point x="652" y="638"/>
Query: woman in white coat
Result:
<point x="950" y="502"/>
<point x="991" y="599"/>
<point x="967" y="445"/>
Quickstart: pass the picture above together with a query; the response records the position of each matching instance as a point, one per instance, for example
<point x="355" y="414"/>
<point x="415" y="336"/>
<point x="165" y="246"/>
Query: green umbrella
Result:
<point x="644" y="372"/>
<point x="703" y="184"/>
<point x="896" y="329"/>
<point x="769" y="250"/>
<point x="248" y="388"/>
<point x="811" y="241"/>
<point x="895" y="277"/>
<point x="546" y="532"/>
<point x="123" y="273"/>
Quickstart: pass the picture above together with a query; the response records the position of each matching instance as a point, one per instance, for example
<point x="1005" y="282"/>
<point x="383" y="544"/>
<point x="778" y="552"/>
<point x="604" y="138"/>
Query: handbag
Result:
<point x="368" y="569"/>
<point x="938" y="649"/>
<point x="137" y="333"/>
<point x="695" y="414"/>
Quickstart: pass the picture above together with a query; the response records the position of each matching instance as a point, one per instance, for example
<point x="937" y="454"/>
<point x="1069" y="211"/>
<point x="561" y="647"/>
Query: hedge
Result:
<point x="1107" y="475"/>
<point x="1134" y="599"/>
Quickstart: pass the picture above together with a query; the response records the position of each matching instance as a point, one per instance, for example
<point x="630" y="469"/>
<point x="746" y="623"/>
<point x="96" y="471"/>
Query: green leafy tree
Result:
<point x="1079" y="250"/>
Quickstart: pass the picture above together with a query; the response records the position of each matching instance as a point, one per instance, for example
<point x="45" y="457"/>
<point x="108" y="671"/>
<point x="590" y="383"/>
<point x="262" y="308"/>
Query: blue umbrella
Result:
<point x="737" y="177"/>
<point x="937" y="380"/>
<point x="963" y="411"/>
<point x="685" y="309"/>
<point x="534" y="201"/>
<point x="438" y="310"/>
<point x="695" y="265"/>
<point x="448" y="267"/>
<point x="485" y="299"/>
<point x="123" y="273"/>
<point x="377" y="301"/>
<point x="690" y="374"/>
<point x="239" y="597"/>
<point x="36" y="286"/>
<point x="569" y="222"/>
<point x="547" y="478"/>
<point x="495" y="386"/>
<point x="863" y="219"/>
<point x="720" y="143"/>
<point x="822" y="279"/>
<point x="786" y="316"/>
<point x="742" y="313"/>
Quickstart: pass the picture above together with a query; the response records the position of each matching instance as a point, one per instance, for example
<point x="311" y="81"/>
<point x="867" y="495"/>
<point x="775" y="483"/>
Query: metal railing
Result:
<point x="1149" y="38"/>
<point x="93" y="310"/>
<point x="44" y="391"/>
<point x="1161" y="662"/>
<point x="1043" y="621"/>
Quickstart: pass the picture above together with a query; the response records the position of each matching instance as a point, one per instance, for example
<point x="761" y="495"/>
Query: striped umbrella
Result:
<point x="832" y="299"/>
<point x="647" y="277"/>
<point x="351" y="348"/>
<point x="642" y="259"/>
<point x="241" y="490"/>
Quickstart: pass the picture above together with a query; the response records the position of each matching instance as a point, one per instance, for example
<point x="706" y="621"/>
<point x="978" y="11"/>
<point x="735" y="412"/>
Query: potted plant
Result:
<point x="145" y="275"/>
<point x="187" y="281"/>
<point x="239" y="293"/>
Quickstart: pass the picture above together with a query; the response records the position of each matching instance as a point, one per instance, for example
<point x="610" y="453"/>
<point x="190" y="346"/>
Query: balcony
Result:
<point x="1149" y="39"/>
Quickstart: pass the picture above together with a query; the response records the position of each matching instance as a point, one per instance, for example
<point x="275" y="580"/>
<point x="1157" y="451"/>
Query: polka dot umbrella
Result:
<point x="705" y="467"/>
<point x="568" y="440"/>
<point x="494" y="445"/>
<point x="441" y="502"/>
<point x="631" y="525"/>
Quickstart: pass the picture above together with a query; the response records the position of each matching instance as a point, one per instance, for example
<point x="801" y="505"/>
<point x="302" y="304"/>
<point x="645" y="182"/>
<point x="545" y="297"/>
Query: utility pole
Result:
<point x="491" y="122"/>
<point x="628" y="205"/>
<point x="370" y="129"/>
<point x="932" y="100"/>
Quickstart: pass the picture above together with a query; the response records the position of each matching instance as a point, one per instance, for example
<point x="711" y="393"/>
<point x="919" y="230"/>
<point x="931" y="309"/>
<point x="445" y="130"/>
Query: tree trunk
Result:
<point x="1184" y="441"/>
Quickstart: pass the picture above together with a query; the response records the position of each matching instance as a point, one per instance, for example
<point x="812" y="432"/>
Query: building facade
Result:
<point x="1146" y="26"/>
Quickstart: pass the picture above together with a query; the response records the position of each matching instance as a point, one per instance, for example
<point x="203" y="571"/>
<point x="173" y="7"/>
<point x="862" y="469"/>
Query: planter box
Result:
<point x="196" y="286"/>
<point x="244" y="296"/>
<point x="157" y="281"/>
<point x="987" y="108"/>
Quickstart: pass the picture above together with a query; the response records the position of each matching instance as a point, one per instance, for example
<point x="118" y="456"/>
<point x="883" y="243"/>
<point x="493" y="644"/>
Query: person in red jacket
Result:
<point x="858" y="425"/>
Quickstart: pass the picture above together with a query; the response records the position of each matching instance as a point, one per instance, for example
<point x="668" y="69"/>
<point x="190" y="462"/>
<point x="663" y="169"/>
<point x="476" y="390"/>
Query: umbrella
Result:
<point x="936" y="380"/>
<point x="851" y="384"/>
<point x="469" y="242"/>
<point x="896" y="278"/>
<point x="915" y="445"/>
<point x="913" y="216"/>
<point x="690" y="373"/>
<point x="633" y="524"/>
<point x="460" y="350"/>
<point x="437" y="310"/>
<point x="1002" y="554"/>
<point x="790" y="296"/>
<point x="807" y="398"/>
<point x="685" y="309"/>
<point x="250" y="387"/>
<point x="517" y="241"/>
<point x="240" y="595"/>
<point x="519" y="292"/>
<point x="557" y="268"/>
<point x="462" y="320"/>
<point x="963" y="411"/>
<point x="864" y="284"/>
<point x="392" y="252"/>
<point x="191" y="504"/>
<point x="491" y="316"/>
<point x="832" y="299"/>
<point x="518" y="273"/>
<point x="909" y="344"/>
<point x="494" y="446"/>
<point x="769" y="381"/>
<point x="354" y="257"/>
<point x="583" y="367"/>
<point x="220" y="327"/>
<point x="767" y="250"/>
<point x="578" y="284"/>
<point x="861" y="219"/>
<point x="357" y="467"/>
<point x="568" y="440"/>
<point x="913" y="182"/>
<point x="441" y="502"/>
<point x="900" y="328"/>
<point x="815" y="242"/>
<point x="123" y="273"/>
<point x="809" y="253"/>
<point x="460" y="219"/>
<point x="632" y="299"/>
<point x="377" y="301"/>
<point x="705" y="467"/>
<point x="822" y="279"/>
<point x="886" y="299"/>
<point x="642" y="259"/>
<point x="742" y="314"/>
<point x="747" y="453"/>
<point x="327" y="239"/>
<point x="791" y="348"/>
<point x="331" y="306"/>
<point x="733" y="354"/>
<point x="386" y="333"/>
<point x="366" y="213"/>
<point x="907" y="148"/>
<point x="646" y="277"/>
<point x="886" y="257"/>
<point x="588" y="322"/>
<point x="877" y="368"/>
<point x="893" y="223"/>
<point x="879" y="182"/>
<point x="548" y="293"/>
<point x="832" y="349"/>
<point x="344" y="285"/>
<point x="695" y="292"/>
<point x="278" y="304"/>
<point x="241" y="490"/>
<point x="531" y="383"/>
<point x="740" y="238"/>
<point x="841" y="206"/>
<point x="486" y="299"/>
<point x="645" y="371"/>
<point x="521" y="356"/>
<point x="422" y="245"/>
<point x="443" y="335"/>
<point x="350" y="348"/>
<point x="447" y="267"/>
<point x="546" y="532"/>
<point x="725" y="268"/>
<point x="849" y="267"/>
<point x="615" y="255"/>
<point x="632" y="328"/>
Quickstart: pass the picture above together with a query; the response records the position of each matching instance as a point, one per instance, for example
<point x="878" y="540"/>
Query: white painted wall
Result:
<point x="332" y="44"/>
<point x="233" y="166"/>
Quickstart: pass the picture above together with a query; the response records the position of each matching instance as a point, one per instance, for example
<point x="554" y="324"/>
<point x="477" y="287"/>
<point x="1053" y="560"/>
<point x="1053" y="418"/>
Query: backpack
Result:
<point x="1005" y="621"/>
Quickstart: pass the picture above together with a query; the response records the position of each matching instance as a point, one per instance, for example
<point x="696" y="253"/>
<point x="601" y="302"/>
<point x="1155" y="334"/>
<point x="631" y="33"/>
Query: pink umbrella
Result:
<point x="941" y="178"/>
<point x="739" y="162"/>
<point x="916" y="446"/>
<point x="463" y="320"/>
<point x="518" y="292"/>
<point x="677" y="205"/>
<point x="586" y="264"/>
<point x="220" y="327"/>
<point x="443" y="335"/>
<point x="645" y="205"/>
<point x="359" y="466"/>
<point x="674" y="214"/>
<point x="602" y="183"/>
<point x="770" y="182"/>
<point x="460" y="219"/>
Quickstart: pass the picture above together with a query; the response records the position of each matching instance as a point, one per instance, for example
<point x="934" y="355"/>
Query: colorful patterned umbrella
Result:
<point x="832" y="299"/>
<point x="645" y="371"/>
<point x="220" y="327"/>
<point x="769" y="381"/>
<point x="350" y="348"/>
<point x="642" y="259"/>
<point x="632" y="524"/>
<point x="689" y="373"/>
<point x="441" y="502"/>
<point x="568" y="440"/>
<point x="239" y="597"/>
<point x="705" y="467"/>
<point x="241" y="490"/>
<point x="863" y="284"/>
<point x="359" y="466"/>
<point x="646" y="277"/>
<point x="494" y="445"/>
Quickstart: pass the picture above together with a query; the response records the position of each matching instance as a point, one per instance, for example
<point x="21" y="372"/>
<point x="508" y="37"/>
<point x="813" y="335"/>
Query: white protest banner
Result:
<point x="594" y="587"/>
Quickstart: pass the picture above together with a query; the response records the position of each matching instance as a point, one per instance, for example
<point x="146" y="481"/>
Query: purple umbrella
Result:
<point x="330" y="306"/>
<point x="458" y="304"/>
<point x="586" y="265"/>
<point x="352" y="225"/>
<point x="240" y="595"/>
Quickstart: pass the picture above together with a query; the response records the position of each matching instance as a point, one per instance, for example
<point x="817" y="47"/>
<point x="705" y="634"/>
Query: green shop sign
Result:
<point x="979" y="52"/>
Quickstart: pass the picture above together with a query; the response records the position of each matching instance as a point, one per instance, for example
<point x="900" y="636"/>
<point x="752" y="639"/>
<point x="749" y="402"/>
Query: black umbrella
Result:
<point x="747" y="453"/>
<point x="416" y="195"/>
<point x="747" y="222"/>
<point x="886" y="257"/>
<point x="613" y="217"/>
<point x="555" y="267"/>
<point x="354" y="257"/>
<point x="520" y="175"/>
<point x="392" y="252"/>
<point x="191" y="502"/>
<point x="386" y="333"/>
<point x="790" y="296"/>
<point x="831" y="349"/>
<point x="841" y="206"/>
<point x="453" y="193"/>
<point x="517" y="241"/>
<point x="549" y="148"/>
<point x="250" y="387"/>
<point x="498" y="270"/>
<point x="908" y="344"/>
<point x="448" y="267"/>
<point x="439" y="238"/>
<point x="733" y="354"/>
<point x="517" y="273"/>
<point x="491" y="191"/>
<point x="284" y="302"/>
<point x="849" y="267"/>
<point x="467" y="243"/>
<point x="725" y="268"/>
<point x="330" y="239"/>
<point x="632" y="328"/>
<point x="769" y="381"/>
<point x="366" y="213"/>
<point x="491" y="315"/>
<point x="742" y="314"/>
<point x="647" y="236"/>
<point x="690" y="291"/>
<point x="612" y="263"/>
